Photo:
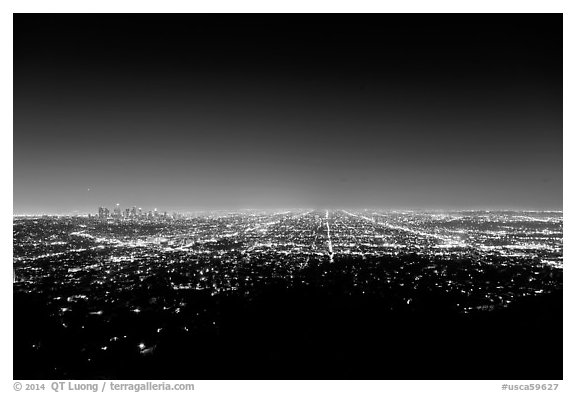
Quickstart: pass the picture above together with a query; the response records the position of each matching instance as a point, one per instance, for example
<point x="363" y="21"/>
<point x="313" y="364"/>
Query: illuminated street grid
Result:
<point x="287" y="238"/>
<point x="88" y="269"/>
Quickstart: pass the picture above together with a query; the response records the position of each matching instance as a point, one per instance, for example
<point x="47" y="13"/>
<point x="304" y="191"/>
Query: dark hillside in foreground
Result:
<point x="299" y="333"/>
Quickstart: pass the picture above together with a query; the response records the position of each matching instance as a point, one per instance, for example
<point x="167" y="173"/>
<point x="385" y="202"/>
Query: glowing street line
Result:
<point x="330" y="252"/>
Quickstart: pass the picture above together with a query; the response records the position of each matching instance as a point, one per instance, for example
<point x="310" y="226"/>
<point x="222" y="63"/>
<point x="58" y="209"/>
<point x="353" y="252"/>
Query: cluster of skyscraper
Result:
<point x="134" y="214"/>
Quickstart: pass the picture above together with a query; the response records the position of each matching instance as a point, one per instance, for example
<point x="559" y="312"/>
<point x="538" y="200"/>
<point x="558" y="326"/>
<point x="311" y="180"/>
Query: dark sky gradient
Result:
<point x="186" y="112"/>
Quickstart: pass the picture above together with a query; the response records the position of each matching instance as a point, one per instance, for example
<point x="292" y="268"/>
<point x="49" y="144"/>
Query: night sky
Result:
<point x="190" y="112"/>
